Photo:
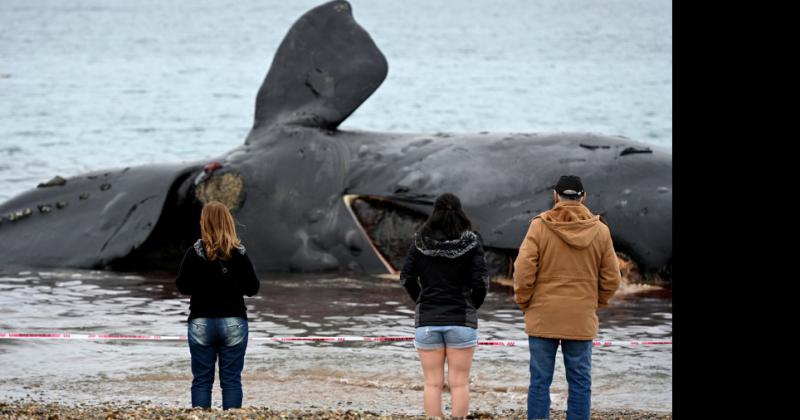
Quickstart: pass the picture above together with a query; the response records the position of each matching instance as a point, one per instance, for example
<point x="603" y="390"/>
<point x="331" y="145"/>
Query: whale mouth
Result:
<point x="632" y="273"/>
<point x="389" y="227"/>
<point x="175" y="231"/>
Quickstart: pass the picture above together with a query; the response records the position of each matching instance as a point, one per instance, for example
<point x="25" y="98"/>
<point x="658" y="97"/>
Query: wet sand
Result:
<point x="22" y="409"/>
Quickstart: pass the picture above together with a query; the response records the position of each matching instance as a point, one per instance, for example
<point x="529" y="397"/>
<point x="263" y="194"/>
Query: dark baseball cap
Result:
<point x="569" y="185"/>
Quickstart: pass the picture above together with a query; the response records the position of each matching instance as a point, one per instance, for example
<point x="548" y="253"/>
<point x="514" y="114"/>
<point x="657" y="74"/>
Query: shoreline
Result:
<point x="27" y="409"/>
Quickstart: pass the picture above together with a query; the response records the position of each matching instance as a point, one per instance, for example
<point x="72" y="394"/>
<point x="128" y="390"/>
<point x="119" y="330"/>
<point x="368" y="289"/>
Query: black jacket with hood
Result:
<point x="447" y="279"/>
<point x="216" y="286"/>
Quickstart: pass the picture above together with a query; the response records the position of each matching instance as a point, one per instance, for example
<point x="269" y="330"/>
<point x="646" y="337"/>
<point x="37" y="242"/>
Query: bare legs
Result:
<point x="459" y="362"/>
<point x="433" y="370"/>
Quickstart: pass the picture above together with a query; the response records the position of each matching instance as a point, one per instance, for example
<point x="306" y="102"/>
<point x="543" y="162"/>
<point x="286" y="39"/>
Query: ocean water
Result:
<point x="384" y="377"/>
<point x="92" y="84"/>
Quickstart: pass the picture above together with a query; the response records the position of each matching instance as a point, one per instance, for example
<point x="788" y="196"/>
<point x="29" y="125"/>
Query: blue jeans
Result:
<point x="210" y="338"/>
<point x="578" y="364"/>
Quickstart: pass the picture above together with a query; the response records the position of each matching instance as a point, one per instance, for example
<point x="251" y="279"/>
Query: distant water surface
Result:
<point x="92" y="84"/>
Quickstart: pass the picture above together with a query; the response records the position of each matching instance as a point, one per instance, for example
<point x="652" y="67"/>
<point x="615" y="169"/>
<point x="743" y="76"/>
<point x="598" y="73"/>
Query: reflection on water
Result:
<point x="377" y="376"/>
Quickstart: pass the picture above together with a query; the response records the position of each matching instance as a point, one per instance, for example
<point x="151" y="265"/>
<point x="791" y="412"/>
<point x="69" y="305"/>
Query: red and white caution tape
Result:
<point x="339" y="339"/>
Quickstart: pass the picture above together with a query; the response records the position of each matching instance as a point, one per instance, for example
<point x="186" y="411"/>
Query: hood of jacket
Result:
<point x="453" y="248"/>
<point x="573" y="223"/>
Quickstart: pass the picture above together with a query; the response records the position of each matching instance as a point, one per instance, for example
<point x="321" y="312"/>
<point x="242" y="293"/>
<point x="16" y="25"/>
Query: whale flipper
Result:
<point x="325" y="68"/>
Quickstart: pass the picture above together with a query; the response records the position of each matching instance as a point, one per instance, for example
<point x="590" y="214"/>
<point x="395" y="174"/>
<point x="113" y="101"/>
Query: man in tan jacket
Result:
<point x="566" y="269"/>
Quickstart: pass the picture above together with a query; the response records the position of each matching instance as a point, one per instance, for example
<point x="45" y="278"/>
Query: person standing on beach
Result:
<point x="565" y="270"/>
<point x="445" y="274"/>
<point x="217" y="272"/>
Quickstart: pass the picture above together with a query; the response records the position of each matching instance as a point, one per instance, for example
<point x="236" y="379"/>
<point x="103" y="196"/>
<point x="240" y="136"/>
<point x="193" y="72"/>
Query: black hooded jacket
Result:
<point x="216" y="286"/>
<point x="447" y="279"/>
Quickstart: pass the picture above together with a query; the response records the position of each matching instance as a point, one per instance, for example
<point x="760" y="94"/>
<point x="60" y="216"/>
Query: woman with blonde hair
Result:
<point x="217" y="272"/>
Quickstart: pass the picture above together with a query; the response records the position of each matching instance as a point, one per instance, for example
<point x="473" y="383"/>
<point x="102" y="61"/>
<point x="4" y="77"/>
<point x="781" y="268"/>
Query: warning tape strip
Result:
<point x="333" y="339"/>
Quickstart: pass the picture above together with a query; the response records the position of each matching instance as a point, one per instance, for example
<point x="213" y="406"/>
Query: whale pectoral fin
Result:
<point x="325" y="68"/>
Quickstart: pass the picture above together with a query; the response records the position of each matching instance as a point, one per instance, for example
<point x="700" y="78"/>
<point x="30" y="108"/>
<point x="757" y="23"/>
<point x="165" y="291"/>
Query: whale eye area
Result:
<point x="227" y="188"/>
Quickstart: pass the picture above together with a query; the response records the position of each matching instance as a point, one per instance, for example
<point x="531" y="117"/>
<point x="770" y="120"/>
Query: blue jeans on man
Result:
<point x="578" y="365"/>
<point x="210" y="338"/>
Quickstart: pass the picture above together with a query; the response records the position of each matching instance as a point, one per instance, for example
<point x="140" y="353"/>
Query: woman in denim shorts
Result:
<point x="445" y="273"/>
<point x="216" y="272"/>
